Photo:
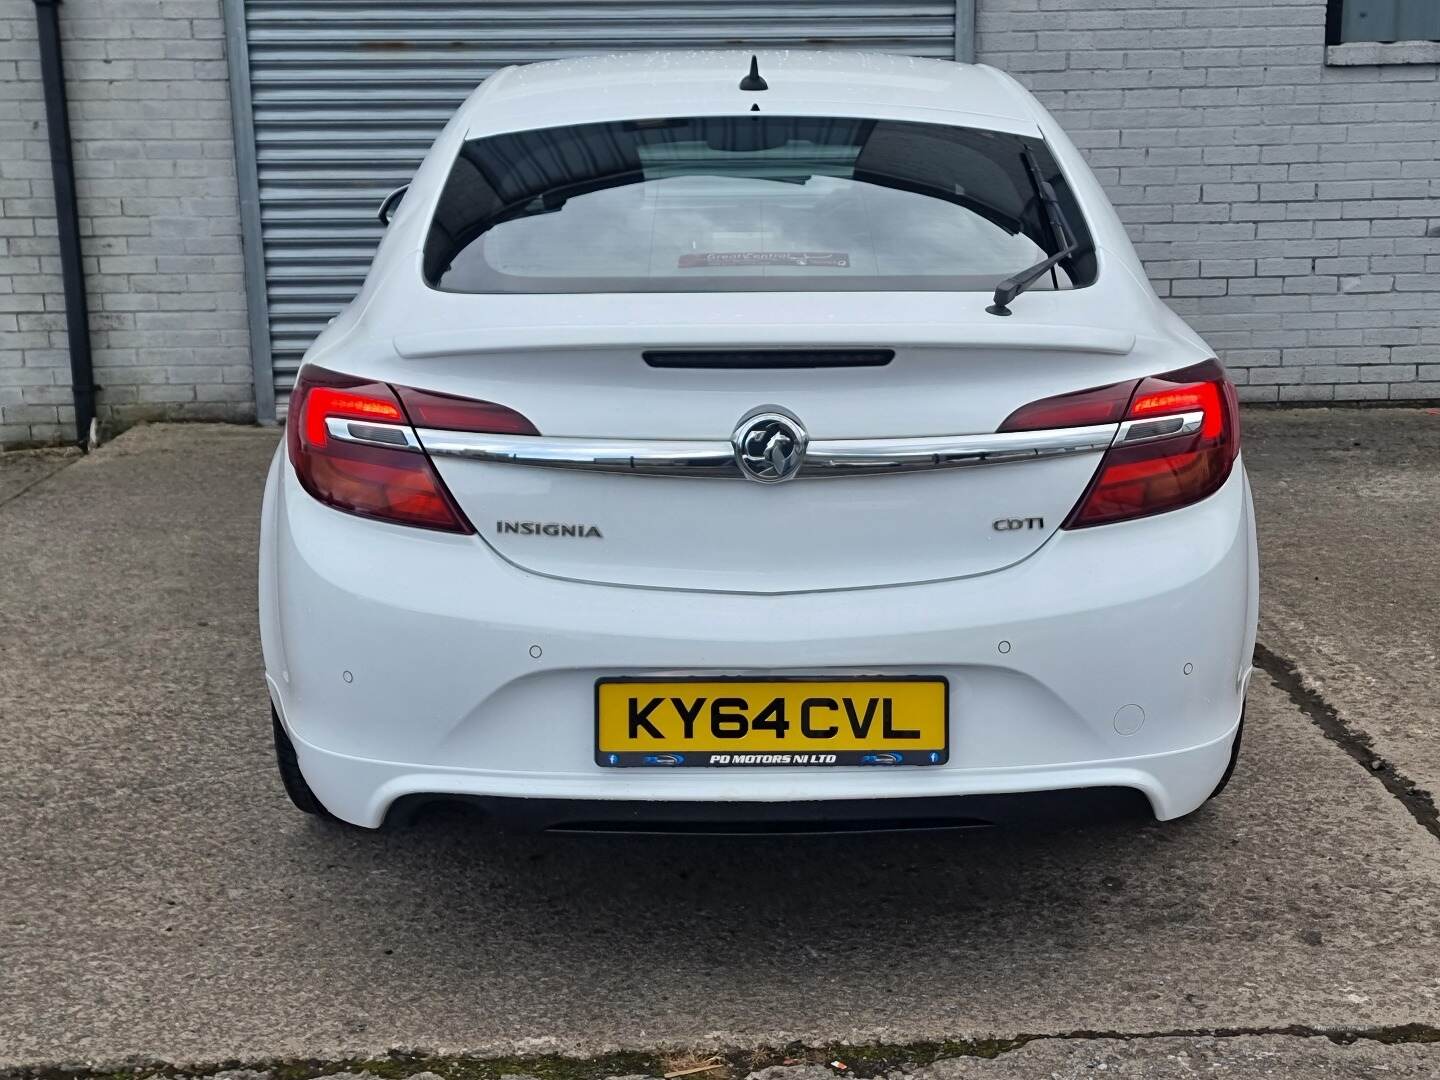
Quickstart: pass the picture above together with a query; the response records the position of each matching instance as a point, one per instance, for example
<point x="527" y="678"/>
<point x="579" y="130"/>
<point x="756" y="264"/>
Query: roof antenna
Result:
<point x="754" y="108"/>
<point x="753" y="81"/>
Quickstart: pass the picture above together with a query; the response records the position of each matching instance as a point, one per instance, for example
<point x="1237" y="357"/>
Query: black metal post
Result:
<point x="67" y="216"/>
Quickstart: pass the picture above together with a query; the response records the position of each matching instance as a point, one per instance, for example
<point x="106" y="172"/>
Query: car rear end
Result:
<point x="531" y="541"/>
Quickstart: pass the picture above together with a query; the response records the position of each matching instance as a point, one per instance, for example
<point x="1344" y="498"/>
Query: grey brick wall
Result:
<point x="1288" y="210"/>
<point x="155" y="169"/>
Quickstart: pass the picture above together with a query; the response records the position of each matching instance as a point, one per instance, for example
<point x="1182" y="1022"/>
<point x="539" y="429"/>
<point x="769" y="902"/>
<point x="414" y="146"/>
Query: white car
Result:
<point x="756" y="443"/>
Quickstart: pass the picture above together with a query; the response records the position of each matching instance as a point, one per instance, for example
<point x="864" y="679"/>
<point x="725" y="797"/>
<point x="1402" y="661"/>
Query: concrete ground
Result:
<point x="1348" y="503"/>
<point x="159" y="899"/>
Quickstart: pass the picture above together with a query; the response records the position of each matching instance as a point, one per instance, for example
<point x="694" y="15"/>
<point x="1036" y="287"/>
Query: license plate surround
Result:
<point x="688" y="757"/>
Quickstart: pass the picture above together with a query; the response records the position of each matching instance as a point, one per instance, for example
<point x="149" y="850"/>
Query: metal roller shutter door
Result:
<point x="347" y="95"/>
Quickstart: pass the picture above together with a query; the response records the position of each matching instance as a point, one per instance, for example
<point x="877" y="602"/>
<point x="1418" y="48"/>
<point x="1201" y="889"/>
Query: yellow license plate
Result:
<point x="757" y="722"/>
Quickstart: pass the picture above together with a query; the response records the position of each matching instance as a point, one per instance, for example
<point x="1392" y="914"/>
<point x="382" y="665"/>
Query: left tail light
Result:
<point x="354" y="447"/>
<point x="1178" y="437"/>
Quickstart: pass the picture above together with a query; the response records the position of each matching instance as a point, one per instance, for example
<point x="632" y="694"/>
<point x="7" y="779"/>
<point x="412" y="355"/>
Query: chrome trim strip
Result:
<point x="826" y="457"/>
<point x="823" y="457"/>
<point x="835" y="457"/>
<point x="671" y="457"/>
<point x="372" y="433"/>
<point x="1160" y="427"/>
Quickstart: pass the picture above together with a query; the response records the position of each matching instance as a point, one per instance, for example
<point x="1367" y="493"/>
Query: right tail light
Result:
<point x="1177" y="442"/>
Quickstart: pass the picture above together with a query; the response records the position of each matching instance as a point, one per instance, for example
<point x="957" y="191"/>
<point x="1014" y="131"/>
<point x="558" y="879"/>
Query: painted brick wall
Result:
<point x="155" y="169"/>
<point x="1290" y="211"/>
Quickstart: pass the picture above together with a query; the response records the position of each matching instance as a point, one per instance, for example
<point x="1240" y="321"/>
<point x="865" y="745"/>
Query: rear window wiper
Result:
<point x="1060" y="229"/>
<point x="1015" y="284"/>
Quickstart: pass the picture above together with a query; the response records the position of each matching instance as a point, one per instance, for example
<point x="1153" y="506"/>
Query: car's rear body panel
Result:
<point x="734" y="536"/>
<point x="689" y="529"/>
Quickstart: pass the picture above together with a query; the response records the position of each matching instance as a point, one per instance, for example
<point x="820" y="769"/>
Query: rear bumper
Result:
<point x="365" y="792"/>
<point x="401" y="663"/>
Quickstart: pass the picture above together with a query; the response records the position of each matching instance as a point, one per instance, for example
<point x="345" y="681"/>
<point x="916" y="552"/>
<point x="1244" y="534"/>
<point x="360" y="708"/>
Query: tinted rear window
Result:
<point x="749" y="203"/>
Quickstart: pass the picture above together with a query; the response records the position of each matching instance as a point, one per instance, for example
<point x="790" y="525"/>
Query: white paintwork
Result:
<point x="719" y="534"/>
<point x="704" y="83"/>
<point x="899" y="574"/>
<point x="569" y="331"/>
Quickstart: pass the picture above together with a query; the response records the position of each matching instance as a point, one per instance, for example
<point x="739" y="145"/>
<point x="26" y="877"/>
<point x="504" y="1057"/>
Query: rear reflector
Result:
<point x="391" y="484"/>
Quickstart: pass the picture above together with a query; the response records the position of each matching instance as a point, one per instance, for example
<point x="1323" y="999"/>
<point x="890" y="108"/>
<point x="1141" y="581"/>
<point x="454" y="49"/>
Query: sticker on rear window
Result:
<point x="695" y="259"/>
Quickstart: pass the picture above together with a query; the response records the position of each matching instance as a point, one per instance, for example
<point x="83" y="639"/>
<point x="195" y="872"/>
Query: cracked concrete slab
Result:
<point x="1348" y="504"/>
<point x="1273" y="1057"/>
<point x="21" y="470"/>
<point x="161" y="899"/>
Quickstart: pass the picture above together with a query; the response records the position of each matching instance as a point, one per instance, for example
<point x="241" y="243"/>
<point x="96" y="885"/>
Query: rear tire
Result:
<point x="290" y="774"/>
<point x="1234" y="758"/>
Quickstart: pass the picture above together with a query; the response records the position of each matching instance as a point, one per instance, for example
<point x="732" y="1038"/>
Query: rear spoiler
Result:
<point x="992" y="335"/>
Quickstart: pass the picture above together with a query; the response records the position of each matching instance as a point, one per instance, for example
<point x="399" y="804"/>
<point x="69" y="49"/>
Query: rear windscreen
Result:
<point x="748" y="203"/>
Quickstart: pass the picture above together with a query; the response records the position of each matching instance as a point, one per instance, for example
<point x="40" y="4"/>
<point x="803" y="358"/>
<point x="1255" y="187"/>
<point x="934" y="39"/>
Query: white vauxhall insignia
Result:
<point x="796" y="447"/>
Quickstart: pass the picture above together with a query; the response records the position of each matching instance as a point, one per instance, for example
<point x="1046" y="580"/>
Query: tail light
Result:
<point x="1177" y="441"/>
<point x="1100" y="405"/>
<point x="353" y="446"/>
<point x="428" y="410"/>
